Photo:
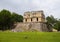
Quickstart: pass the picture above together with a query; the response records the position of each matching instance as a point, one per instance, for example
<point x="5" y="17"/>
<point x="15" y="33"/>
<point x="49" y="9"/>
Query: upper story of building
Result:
<point x="34" y="16"/>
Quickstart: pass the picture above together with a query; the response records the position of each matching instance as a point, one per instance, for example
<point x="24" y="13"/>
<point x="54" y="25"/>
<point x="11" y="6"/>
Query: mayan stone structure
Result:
<point x="34" y="16"/>
<point x="33" y="21"/>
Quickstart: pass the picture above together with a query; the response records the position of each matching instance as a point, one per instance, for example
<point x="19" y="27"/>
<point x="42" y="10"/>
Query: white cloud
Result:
<point x="50" y="7"/>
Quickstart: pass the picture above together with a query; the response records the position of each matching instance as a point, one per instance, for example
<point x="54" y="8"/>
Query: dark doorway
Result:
<point x="37" y="19"/>
<point x="31" y="19"/>
<point x="26" y="20"/>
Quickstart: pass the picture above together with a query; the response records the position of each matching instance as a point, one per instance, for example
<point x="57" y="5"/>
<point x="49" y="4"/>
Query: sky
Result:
<point x="50" y="7"/>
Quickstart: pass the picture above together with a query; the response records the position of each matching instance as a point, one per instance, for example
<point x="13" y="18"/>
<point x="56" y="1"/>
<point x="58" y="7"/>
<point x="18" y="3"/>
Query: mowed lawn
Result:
<point x="29" y="37"/>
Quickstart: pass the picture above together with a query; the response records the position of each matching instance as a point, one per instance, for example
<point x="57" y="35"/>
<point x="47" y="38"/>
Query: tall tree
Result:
<point x="17" y="18"/>
<point x="51" y="20"/>
<point x="57" y="25"/>
<point x="7" y="20"/>
<point x="5" y="17"/>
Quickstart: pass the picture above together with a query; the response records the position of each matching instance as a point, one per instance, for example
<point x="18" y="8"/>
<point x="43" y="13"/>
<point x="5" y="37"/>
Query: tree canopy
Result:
<point x="7" y="19"/>
<point x="53" y="22"/>
<point x="17" y="18"/>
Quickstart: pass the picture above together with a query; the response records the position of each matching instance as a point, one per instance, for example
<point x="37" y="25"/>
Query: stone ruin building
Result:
<point x="33" y="21"/>
<point x="34" y="16"/>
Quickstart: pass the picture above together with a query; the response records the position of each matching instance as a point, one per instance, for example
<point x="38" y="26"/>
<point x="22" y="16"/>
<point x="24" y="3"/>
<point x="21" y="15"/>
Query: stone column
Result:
<point x="24" y="20"/>
<point x="34" y="20"/>
<point x="39" y="19"/>
<point x="29" y="20"/>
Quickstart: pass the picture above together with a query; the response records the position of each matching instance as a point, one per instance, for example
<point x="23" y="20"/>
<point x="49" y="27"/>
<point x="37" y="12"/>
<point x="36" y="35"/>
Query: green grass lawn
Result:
<point x="29" y="37"/>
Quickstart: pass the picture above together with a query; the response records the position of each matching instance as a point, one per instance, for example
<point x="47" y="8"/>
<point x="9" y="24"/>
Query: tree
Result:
<point x="51" y="20"/>
<point x="7" y="20"/>
<point x="57" y="25"/>
<point x="17" y="18"/>
<point x="5" y="17"/>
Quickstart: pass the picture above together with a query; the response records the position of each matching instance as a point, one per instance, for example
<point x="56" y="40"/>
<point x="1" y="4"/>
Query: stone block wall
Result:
<point x="22" y="27"/>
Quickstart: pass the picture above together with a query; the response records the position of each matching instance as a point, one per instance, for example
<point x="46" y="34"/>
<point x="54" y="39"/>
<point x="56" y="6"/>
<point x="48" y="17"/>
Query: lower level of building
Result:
<point x="22" y="27"/>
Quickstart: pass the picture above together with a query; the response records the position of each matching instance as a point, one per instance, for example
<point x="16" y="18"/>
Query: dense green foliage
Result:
<point x="29" y="37"/>
<point x="7" y="19"/>
<point x="57" y="25"/>
<point x="17" y="18"/>
<point x="53" y="22"/>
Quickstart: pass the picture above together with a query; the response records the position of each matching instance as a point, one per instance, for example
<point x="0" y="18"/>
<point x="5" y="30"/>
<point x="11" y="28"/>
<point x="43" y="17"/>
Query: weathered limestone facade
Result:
<point x="34" y="16"/>
<point x="33" y="21"/>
